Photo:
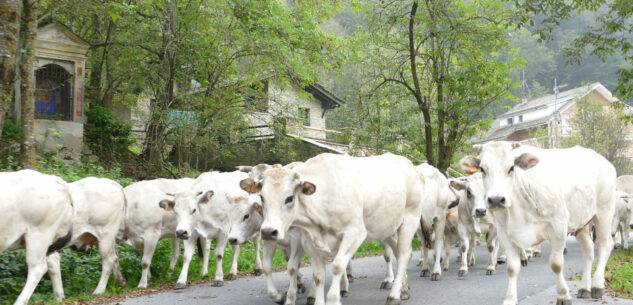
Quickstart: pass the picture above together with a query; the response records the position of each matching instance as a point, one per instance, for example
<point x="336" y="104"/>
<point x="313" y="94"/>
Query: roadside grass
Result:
<point x="619" y="273"/>
<point x="81" y="271"/>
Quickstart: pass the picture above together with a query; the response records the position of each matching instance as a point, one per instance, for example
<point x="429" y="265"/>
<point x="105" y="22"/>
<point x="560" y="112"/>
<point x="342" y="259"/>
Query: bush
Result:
<point x="11" y="130"/>
<point x="107" y="136"/>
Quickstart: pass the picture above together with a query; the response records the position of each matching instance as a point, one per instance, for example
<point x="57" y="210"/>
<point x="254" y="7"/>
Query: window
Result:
<point x="304" y="116"/>
<point x="520" y="118"/>
<point x="53" y="93"/>
<point x="256" y="96"/>
<point x="509" y="121"/>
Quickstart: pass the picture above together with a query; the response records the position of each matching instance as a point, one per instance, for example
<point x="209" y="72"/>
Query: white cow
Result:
<point x="99" y="212"/>
<point x="542" y="194"/>
<point x="340" y="201"/>
<point x="37" y="211"/>
<point x="438" y="198"/>
<point x="625" y="183"/>
<point x="148" y="223"/>
<point x="622" y="218"/>
<point x="474" y="220"/>
<point x="204" y="210"/>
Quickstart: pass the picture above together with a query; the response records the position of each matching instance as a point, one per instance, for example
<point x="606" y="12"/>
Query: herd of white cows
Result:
<point x="518" y="196"/>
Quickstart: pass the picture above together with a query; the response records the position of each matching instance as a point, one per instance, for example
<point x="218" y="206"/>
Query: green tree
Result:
<point x="434" y="66"/>
<point x="600" y="127"/>
<point x="10" y="12"/>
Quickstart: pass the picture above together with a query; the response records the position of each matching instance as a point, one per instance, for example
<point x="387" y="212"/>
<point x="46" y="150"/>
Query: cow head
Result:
<point x="257" y="172"/>
<point x="186" y="206"/>
<point x="471" y="193"/>
<point x="245" y="217"/>
<point x="497" y="163"/>
<point x="281" y="190"/>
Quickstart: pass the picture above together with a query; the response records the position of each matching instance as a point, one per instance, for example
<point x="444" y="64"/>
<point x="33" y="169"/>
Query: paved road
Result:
<point x="536" y="285"/>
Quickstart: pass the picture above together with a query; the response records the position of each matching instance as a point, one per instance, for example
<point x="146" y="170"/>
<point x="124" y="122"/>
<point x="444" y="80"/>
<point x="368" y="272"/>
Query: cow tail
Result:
<point x="426" y="235"/>
<point x="60" y="242"/>
<point x="199" y="245"/>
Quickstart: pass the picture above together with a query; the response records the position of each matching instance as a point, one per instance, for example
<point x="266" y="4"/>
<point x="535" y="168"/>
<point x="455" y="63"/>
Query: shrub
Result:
<point x="107" y="136"/>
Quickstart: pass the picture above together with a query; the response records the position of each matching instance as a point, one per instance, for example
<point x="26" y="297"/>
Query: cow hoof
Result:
<point x="179" y="286"/>
<point x="490" y="272"/>
<point x="524" y="262"/>
<point x="501" y="261"/>
<point x="565" y="251"/>
<point x="436" y="277"/>
<point x="258" y="272"/>
<point x="462" y="273"/>
<point x="217" y="283"/>
<point x="344" y="294"/>
<point x="282" y="301"/>
<point x="445" y="269"/>
<point x="301" y="288"/>
<point x="310" y="301"/>
<point x="584" y="293"/>
<point x="537" y="254"/>
<point x="596" y="293"/>
<point x="392" y="301"/>
<point x="386" y="285"/>
<point x="563" y="302"/>
<point x="350" y="278"/>
<point x="425" y="273"/>
<point x="404" y="295"/>
<point x="231" y="277"/>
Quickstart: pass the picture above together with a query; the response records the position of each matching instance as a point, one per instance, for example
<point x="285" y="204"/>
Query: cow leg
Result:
<point x="605" y="245"/>
<point x="524" y="257"/>
<point x="493" y="248"/>
<point x="190" y="247"/>
<point x="348" y="272"/>
<point x="258" y="261"/>
<point x="426" y="265"/>
<point x="464" y="245"/>
<point x="233" y="271"/>
<point x="513" y="256"/>
<point x="108" y="259"/>
<point x="294" y="262"/>
<point x="118" y="276"/>
<point x="447" y="251"/>
<point x="387" y="254"/>
<point x="400" y="289"/>
<point x="471" y="249"/>
<point x="149" y="246"/>
<point x="206" y="252"/>
<point x="218" y="280"/>
<point x="36" y="262"/>
<point x="55" y="273"/>
<point x="437" y="249"/>
<point x="586" y="244"/>
<point x="175" y="252"/>
<point x="418" y="232"/>
<point x="556" y="262"/>
<point x="317" y="291"/>
<point x="269" y="254"/>
<point x="350" y="242"/>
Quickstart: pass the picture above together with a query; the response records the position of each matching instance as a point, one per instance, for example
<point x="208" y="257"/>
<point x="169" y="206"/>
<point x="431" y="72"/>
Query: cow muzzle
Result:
<point x="233" y="241"/>
<point x="497" y="202"/>
<point x="182" y="234"/>
<point x="270" y="234"/>
<point x="480" y="212"/>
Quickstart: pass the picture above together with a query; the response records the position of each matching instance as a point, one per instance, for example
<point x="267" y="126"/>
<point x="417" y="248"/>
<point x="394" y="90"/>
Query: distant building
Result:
<point x="60" y="60"/>
<point x="541" y="121"/>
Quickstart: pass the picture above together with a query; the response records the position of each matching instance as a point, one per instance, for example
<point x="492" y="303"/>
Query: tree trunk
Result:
<point x="9" y="37"/>
<point x="27" y="85"/>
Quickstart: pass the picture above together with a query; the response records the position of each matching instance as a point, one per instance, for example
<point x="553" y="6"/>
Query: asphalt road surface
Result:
<point x="536" y="285"/>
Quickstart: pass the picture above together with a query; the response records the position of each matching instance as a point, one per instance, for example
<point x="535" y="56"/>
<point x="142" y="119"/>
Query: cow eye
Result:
<point x="261" y="197"/>
<point x="289" y="199"/>
<point x="481" y="169"/>
<point x="469" y="194"/>
<point x="194" y="210"/>
<point x="511" y="169"/>
<point x="246" y="216"/>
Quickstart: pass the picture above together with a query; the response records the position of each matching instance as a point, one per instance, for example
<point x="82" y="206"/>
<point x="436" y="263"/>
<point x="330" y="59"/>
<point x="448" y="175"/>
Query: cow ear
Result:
<point x="250" y="186"/>
<point x="244" y="168"/>
<point x="206" y="197"/>
<point x="469" y="164"/>
<point x="458" y="185"/>
<point x="453" y="203"/>
<point x="477" y="148"/>
<point x="516" y="145"/>
<point x="257" y="208"/>
<point x="526" y="161"/>
<point x="170" y="194"/>
<point x="167" y="205"/>
<point x="308" y="188"/>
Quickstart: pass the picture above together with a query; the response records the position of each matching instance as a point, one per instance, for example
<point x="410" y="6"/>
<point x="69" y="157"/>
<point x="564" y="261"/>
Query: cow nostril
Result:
<point x="503" y="200"/>
<point x="233" y="241"/>
<point x="269" y="234"/>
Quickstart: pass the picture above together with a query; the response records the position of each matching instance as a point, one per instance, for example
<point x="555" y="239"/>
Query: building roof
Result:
<point x="327" y="98"/>
<point x="565" y="100"/>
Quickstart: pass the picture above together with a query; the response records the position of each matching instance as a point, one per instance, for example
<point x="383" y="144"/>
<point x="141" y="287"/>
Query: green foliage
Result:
<point x="599" y="126"/>
<point x="54" y="166"/>
<point x="11" y="131"/>
<point x="107" y="136"/>
<point x="619" y="273"/>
